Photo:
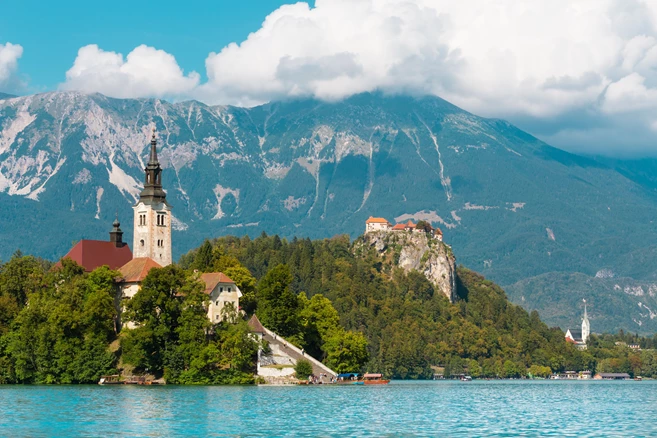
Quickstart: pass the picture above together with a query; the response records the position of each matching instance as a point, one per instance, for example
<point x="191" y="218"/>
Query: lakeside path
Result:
<point x="445" y="408"/>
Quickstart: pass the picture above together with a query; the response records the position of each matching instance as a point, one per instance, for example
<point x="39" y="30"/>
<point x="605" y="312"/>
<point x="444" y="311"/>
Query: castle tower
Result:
<point x="586" y="326"/>
<point x="152" y="226"/>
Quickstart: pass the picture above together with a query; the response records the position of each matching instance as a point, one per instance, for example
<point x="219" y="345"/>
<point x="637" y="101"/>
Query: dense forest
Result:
<point x="334" y="298"/>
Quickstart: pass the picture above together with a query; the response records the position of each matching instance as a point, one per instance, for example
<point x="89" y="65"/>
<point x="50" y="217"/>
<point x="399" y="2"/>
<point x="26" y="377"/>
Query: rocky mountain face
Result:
<point x="416" y="251"/>
<point x="511" y="206"/>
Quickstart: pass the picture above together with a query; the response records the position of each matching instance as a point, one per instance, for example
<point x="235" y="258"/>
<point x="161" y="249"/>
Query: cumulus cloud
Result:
<point x="9" y="55"/>
<point x="591" y="64"/>
<point x="593" y="61"/>
<point x="145" y="72"/>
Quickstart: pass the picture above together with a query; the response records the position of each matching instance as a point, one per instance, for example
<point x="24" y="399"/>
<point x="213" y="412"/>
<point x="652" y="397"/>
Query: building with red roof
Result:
<point x="222" y="292"/>
<point x="377" y="224"/>
<point x="92" y="254"/>
<point x="382" y="224"/>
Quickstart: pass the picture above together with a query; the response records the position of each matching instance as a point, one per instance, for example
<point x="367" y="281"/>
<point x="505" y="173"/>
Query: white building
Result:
<point x="222" y="292"/>
<point x="376" y="224"/>
<point x="580" y="337"/>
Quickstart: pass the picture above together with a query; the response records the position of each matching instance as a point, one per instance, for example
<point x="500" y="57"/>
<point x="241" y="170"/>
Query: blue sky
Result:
<point x="51" y="32"/>
<point x="580" y="75"/>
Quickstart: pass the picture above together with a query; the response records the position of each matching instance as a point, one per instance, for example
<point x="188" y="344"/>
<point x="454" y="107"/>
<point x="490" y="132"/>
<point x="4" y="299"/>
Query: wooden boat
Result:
<point x="374" y="379"/>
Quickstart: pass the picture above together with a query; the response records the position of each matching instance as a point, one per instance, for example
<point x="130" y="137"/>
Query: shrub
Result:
<point x="303" y="368"/>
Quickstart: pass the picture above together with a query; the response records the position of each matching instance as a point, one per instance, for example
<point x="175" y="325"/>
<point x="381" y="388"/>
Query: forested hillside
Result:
<point x="408" y="325"/>
<point x="335" y="298"/>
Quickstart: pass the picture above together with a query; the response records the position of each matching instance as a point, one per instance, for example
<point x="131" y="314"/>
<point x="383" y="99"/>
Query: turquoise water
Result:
<point x="479" y="408"/>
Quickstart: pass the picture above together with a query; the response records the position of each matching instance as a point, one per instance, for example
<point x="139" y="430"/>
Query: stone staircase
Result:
<point x="284" y="348"/>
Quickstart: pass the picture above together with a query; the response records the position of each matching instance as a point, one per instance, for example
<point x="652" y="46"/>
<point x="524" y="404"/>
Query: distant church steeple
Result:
<point x="586" y="326"/>
<point x="152" y="228"/>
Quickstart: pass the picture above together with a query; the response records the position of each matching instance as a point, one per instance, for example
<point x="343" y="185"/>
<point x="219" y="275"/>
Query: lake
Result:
<point x="442" y="408"/>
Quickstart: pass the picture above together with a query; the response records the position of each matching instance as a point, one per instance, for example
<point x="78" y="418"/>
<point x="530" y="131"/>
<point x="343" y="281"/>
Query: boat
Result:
<point x="466" y="379"/>
<point x="374" y="379"/>
<point x="349" y="379"/>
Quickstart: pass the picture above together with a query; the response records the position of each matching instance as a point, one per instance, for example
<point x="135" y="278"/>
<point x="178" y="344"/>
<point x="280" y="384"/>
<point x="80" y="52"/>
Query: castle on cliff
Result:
<point x="380" y="224"/>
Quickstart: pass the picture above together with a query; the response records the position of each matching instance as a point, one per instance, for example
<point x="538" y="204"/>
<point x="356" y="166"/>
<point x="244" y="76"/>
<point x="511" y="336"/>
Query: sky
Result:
<point x="579" y="74"/>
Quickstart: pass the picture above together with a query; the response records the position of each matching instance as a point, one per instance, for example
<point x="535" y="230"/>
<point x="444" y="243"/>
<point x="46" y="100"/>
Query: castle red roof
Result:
<point x="137" y="269"/>
<point x="212" y="279"/>
<point x="399" y="227"/>
<point x="92" y="254"/>
<point x="376" y="220"/>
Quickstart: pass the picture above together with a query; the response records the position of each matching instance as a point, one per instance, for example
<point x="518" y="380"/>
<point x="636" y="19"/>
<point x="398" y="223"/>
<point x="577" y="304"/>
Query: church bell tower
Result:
<point x="152" y="226"/>
<point x="586" y="326"/>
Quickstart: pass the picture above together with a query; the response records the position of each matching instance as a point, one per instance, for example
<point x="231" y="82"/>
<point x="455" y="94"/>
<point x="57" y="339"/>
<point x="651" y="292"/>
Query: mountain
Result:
<point x="510" y="205"/>
<point x="6" y="96"/>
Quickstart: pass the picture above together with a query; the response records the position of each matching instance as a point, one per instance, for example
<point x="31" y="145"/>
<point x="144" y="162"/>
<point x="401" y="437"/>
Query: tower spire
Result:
<point x="153" y="192"/>
<point x="152" y="160"/>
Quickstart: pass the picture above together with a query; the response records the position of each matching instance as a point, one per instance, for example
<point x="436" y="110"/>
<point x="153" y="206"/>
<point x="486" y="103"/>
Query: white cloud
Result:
<point x="530" y="60"/>
<point x="145" y="72"/>
<point x="9" y="55"/>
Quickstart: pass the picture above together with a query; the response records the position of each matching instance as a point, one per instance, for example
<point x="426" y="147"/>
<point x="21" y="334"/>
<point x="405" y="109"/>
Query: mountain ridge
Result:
<point x="512" y="206"/>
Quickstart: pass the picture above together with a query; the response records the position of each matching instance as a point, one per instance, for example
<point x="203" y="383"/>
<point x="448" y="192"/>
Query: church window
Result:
<point x="142" y="242"/>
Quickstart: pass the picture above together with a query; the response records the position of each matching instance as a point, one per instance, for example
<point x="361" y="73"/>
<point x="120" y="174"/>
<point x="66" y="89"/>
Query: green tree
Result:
<point x="204" y="258"/>
<point x="278" y="307"/>
<point x="346" y="351"/>
<point x="303" y="369"/>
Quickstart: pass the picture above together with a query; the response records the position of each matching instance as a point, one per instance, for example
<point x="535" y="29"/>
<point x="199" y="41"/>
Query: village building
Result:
<point x="224" y="296"/>
<point x="612" y="376"/>
<point x="580" y="337"/>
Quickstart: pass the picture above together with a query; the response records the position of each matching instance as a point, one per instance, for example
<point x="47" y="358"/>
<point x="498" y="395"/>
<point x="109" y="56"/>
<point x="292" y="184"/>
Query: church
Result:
<point x="151" y="246"/>
<point x="580" y="337"/>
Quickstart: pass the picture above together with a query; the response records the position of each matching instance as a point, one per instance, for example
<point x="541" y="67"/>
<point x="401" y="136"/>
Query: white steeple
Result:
<point x="586" y="326"/>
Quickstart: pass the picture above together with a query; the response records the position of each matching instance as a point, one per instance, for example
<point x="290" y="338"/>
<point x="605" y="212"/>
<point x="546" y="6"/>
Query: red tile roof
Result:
<point x="410" y="224"/>
<point x="137" y="269"/>
<point x="376" y="220"/>
<point x="91" y="254"/>
<point x="399" y="227"/>
<point x="212" y="279"/>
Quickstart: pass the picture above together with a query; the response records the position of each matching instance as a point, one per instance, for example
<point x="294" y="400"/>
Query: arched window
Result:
<point x="142" y="242"/>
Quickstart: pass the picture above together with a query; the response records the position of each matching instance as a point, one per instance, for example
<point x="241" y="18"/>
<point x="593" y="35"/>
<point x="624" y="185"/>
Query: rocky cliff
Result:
<point x="420" y="252"/>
